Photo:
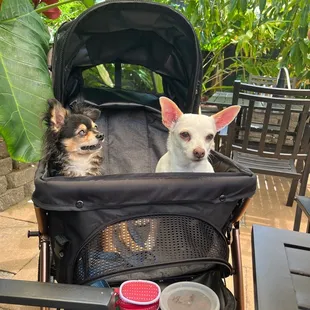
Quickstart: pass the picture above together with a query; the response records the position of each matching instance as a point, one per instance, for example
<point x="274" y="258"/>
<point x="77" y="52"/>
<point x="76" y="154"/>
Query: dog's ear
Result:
<point x="225" y="117"/>
<point x="169" y="111"/>
<point x="57" y="114"/>
<point x="92" y="113"/>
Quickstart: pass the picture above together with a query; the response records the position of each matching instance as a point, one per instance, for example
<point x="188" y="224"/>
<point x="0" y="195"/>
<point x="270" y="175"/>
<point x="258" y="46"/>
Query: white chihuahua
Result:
<point x="190" y="137"/>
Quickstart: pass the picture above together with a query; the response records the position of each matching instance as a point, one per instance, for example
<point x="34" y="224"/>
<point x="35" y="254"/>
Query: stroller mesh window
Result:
<point x="133" y="77"/>
<point x="145" y="243"/>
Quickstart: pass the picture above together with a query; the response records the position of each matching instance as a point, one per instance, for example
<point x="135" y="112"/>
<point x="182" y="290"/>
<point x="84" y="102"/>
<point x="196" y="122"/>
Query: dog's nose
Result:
<point x="100" y="136"/>
<point x="199" y="152"/>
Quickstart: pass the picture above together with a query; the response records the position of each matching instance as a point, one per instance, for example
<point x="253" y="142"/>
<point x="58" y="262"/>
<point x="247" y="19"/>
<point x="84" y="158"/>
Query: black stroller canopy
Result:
<point x="131" y="32"/>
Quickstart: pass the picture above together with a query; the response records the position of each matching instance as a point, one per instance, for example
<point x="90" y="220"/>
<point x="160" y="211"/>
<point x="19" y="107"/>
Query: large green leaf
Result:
<point x="24" y="79"/>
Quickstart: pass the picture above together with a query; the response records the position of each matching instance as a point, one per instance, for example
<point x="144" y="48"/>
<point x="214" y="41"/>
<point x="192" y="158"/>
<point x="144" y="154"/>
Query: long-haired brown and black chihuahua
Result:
<point x="73" y="144"/>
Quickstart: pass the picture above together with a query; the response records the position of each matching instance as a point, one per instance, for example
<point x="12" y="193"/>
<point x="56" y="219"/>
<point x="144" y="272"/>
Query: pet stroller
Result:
<point x="131" y="223"/>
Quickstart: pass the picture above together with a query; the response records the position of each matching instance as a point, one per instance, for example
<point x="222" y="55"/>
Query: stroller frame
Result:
<point x="44" y="271"/>
<point x="164" y="42"/>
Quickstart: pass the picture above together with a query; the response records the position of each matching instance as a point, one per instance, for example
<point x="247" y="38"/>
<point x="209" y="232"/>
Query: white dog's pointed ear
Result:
<point x="225" y="117"/>
<point x="169" y="111"/>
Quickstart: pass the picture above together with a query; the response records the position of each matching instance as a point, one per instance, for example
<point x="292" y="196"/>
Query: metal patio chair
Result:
<point x="271" y="135"/>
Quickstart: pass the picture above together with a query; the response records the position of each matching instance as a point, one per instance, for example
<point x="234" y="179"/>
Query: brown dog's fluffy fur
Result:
<point x="73" y="144"/>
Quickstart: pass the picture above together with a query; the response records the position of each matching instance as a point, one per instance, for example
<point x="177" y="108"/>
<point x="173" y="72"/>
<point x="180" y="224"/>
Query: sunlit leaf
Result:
<point x="217" y="17"/>
<point x="89" y="3"/>
<point x="104" y="74"/>
<point x="158" y="83"/>
<point x="249" y="34"/>
<point x="270" y="29"/>
<point x="279" y="36"/>
<point x="24" y="79"/>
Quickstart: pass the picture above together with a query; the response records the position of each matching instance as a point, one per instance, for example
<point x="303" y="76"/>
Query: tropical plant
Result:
<point x="25" y="83"/>
<point x="52" y="13"/>
<point x="263" y="34"/>
<point x="69" y="11"/>
<point x="24" y="80"/>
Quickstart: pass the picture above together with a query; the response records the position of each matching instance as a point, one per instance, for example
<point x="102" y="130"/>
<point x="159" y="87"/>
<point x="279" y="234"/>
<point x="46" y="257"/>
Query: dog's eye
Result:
<point x="185" y="135"/>
<point x="82" y="133"/>
<point x="96" y="127"/>
<point x="209" y="137"/>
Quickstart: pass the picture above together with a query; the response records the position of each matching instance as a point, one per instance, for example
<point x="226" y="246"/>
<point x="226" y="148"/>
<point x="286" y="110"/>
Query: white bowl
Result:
<point x="188" y="296"/>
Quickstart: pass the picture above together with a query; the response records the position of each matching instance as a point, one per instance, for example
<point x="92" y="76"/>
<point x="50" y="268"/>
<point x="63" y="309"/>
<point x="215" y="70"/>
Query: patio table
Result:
<point x="281" y="269"/>
<point x="224" y="100"/>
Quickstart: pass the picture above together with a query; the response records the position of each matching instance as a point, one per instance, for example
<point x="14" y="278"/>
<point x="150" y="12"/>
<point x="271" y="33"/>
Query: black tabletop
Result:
<point x="281" y="269"/>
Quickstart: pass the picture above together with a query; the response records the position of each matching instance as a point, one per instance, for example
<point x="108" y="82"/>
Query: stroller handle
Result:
<point x="55" y="295"/>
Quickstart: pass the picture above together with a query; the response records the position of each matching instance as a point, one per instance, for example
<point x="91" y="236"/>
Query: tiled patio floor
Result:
<point x="19" y="255"/>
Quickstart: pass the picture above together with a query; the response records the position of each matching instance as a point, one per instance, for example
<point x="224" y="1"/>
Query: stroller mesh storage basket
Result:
<point x="137" y="244"/>
<point x="131" y="223"/>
